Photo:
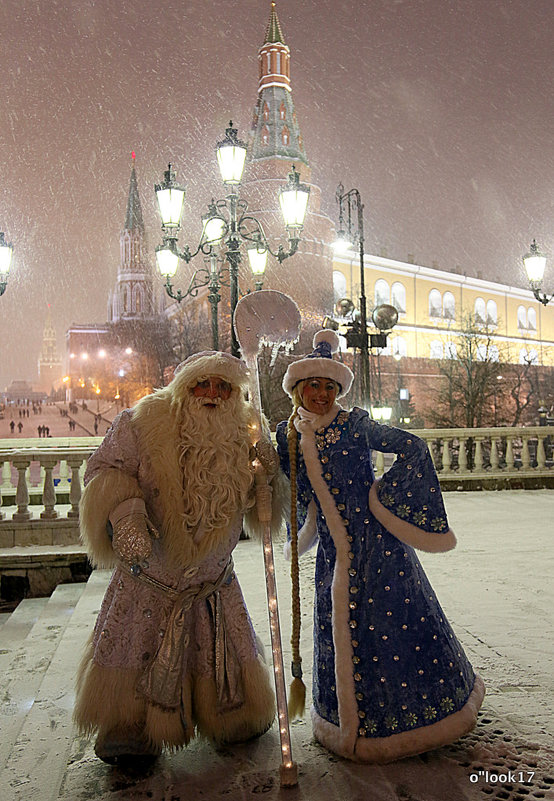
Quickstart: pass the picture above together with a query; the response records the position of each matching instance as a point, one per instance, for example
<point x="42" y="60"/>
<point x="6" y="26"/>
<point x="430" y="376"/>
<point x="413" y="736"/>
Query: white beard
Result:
<point x="214" y="455"/>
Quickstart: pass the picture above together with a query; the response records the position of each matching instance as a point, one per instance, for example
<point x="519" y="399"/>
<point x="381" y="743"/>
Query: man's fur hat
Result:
<point x="210" y="363"/>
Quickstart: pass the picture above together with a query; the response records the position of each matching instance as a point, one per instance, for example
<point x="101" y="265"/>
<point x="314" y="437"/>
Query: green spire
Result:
<point x="273" y="31"/>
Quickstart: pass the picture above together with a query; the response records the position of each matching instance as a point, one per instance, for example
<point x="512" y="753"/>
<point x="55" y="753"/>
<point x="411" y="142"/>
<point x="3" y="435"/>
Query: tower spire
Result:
<point x="133" y="217"/>
<point x="275" y="131"/>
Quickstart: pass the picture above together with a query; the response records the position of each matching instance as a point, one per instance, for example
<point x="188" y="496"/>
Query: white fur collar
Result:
<point x="309" y="421"/>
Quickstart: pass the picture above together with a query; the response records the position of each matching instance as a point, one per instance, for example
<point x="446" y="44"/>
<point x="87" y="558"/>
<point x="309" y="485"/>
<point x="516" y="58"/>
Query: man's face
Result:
<point x="213" y="389"/>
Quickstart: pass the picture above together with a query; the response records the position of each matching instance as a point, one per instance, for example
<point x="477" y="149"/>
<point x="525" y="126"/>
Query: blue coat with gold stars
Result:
<point x="390" y="678"/>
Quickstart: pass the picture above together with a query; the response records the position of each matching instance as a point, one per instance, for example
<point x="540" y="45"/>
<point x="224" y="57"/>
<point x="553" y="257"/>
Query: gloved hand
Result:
<point x="267" y="456"/>
<point x="132" y="531"/>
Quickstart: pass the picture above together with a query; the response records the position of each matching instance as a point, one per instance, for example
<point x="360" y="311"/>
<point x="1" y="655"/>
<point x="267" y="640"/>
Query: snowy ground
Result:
<point x="496" y="588"/>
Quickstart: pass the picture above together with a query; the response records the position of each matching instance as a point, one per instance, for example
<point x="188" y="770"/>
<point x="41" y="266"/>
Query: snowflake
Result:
<point x="411" y="720"/>
<point x="420" y="518"/>
<point x="387" y="500"/>
<point x="438" y="523"/>
<point x="447" y="704"/>
<point x="391" y="722"/>
<point x="429" y="713"/>
<point x="371" y="726"/>
<point x="403" y="510"/>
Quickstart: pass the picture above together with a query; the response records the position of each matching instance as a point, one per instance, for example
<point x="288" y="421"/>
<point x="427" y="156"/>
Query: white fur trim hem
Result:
<point x="380" y="750"/>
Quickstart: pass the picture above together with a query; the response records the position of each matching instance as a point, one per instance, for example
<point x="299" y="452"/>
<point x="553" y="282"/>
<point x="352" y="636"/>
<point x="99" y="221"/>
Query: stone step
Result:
<point x="26" y="662"/>
<point x="35" y="766"/>
<point x="16" y="627"/>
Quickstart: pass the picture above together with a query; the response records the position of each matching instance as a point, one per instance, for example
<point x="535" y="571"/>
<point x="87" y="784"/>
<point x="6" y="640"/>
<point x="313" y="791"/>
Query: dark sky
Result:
<point x="439" y="111"/>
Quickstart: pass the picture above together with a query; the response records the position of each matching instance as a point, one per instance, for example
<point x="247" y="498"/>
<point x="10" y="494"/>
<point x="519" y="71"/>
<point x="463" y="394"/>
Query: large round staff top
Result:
<point x="265" y="317"/>
<point x="269" y="317"/>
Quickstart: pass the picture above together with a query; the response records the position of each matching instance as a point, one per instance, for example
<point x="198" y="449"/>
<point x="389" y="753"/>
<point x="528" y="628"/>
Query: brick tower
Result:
<point x="50" y="368"/>
<point x="275" y="144"/>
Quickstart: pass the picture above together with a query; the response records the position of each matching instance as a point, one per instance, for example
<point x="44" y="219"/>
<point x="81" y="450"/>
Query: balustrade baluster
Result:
<point x="75" y="464"/>
<point x="7" y="475"/>
<point x="509" y="453"/>
<point x="446" y="458"/>
<point x="494" y="453"/>
<point x="49" y="491"/>
<point x="462" y="456"/>
<point x="525" y="458"/>
<point x="541" y="453"/>
<point x="379" y="463"/>
<point x="478" y="454"/>
<point x="22" y="493"/>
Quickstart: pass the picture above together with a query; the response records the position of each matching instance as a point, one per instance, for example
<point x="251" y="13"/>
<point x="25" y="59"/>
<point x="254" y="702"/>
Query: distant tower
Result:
<point x="275" y="144"/>
<point x="133" y="297"/>
<point x="50" y="368"/>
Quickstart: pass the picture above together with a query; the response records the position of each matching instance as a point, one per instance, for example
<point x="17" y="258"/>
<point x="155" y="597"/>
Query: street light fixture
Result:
<point x="6" y="252"/>
<point x="226" y="222"/>
<point x="535" y="263"/>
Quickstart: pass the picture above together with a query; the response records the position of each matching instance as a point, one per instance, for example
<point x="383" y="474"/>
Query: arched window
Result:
<point x="448" y="306"/>
<point x="265" y="135"/>
<point x="494" y="355"/>
<point x="531" y="319"/>
<point x="269" y="62"/>
<point x="285" y="135"/>
<point x="278" y="62"/>
<point x="480" y="311"/>
<point x="137" y="300"/>
<point x="399" y="347"/>
<point x="282" y="111"/>
<point x="450" y="351"/>
<point x="435" y="303"/>
<point x="521" y="317"/>
<point x="398" y="294"/>
<point x="125" y="299"/>
<point x="266" y="112"/>
<point x="339" y="285"/>
<point x="382" y="292"/>
<point x="523" y="358"/>
<point x="492" y="313"/>
<point x="436" y="349"/>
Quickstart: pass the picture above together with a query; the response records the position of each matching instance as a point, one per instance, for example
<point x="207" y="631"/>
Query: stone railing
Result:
<point x="44" y="484"/>
<point x="477" y="454"/>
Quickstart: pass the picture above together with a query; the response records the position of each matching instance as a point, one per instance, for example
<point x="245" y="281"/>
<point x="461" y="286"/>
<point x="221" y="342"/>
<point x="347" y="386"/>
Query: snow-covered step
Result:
<point x="16" y="627"/>
<point x="36" y="765"/>
<point x="25" y="664"/>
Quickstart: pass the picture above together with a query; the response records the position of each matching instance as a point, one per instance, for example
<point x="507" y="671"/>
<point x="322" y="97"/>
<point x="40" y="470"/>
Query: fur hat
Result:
<point x="320" y="363"/>
<point x="211" y="362"/>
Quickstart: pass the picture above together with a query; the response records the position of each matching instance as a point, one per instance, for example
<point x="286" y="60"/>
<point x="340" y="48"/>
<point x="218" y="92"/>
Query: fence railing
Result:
<point x="45" y="483"/>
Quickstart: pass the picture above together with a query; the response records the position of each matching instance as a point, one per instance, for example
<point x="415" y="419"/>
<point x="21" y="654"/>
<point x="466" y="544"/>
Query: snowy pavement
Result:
<point x="496" y="589"/>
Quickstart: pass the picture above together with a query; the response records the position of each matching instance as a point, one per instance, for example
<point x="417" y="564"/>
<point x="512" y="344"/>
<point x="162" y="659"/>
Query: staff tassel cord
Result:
<point x="270" y="317"/>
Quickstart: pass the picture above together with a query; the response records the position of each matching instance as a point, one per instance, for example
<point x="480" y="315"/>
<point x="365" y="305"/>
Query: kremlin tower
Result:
<point x="133" y="297"/>
<point x="274" y="146"/>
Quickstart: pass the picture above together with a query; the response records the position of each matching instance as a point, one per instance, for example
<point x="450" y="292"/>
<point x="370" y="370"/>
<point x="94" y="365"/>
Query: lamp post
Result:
<point x="351" y="231"/>
<point x="6" y="252"/>
<point x="534" y="263"/>
<point x="226" y="222"/>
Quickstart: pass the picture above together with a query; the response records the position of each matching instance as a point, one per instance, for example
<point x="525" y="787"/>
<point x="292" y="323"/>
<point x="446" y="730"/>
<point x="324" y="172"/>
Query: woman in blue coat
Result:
<point x="390" y="678"/>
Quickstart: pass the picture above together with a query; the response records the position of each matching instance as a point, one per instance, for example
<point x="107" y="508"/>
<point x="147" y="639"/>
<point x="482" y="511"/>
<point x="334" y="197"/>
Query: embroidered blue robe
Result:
<point x="390" y="678"/>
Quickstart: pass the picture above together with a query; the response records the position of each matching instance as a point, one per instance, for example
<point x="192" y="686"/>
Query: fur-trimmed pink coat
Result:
<point x="139" y="458"/>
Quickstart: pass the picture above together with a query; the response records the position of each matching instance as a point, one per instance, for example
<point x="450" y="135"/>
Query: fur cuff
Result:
<point x="280" y="505"/>
<point x="432" y="542"/>
<point x="307" y="536"/>
<point x="100" y="497"/>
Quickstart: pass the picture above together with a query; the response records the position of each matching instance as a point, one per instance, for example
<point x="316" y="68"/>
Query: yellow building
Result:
<point x="432" y="304"/>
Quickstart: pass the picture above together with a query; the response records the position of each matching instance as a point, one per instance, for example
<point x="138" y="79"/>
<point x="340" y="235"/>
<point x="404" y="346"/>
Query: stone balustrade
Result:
<point x="42" y="485"/>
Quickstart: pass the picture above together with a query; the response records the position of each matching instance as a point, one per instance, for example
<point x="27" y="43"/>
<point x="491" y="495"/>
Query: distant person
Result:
<point x="39" y="429"/>
<point x="12" y="426"/>
<point x="20" y="426"/>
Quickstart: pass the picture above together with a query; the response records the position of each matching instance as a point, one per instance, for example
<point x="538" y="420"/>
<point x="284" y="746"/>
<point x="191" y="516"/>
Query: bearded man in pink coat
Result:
<point x="173" y="652"/>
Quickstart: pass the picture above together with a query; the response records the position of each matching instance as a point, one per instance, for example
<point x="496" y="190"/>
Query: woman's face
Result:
<point x="318" y="395"/>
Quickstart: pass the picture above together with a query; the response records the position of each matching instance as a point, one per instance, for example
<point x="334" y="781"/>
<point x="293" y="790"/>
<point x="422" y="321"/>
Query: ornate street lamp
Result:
<point x="535" y="263"/>
<point x="226" y="222"/>
<point x="6" y="252"/>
